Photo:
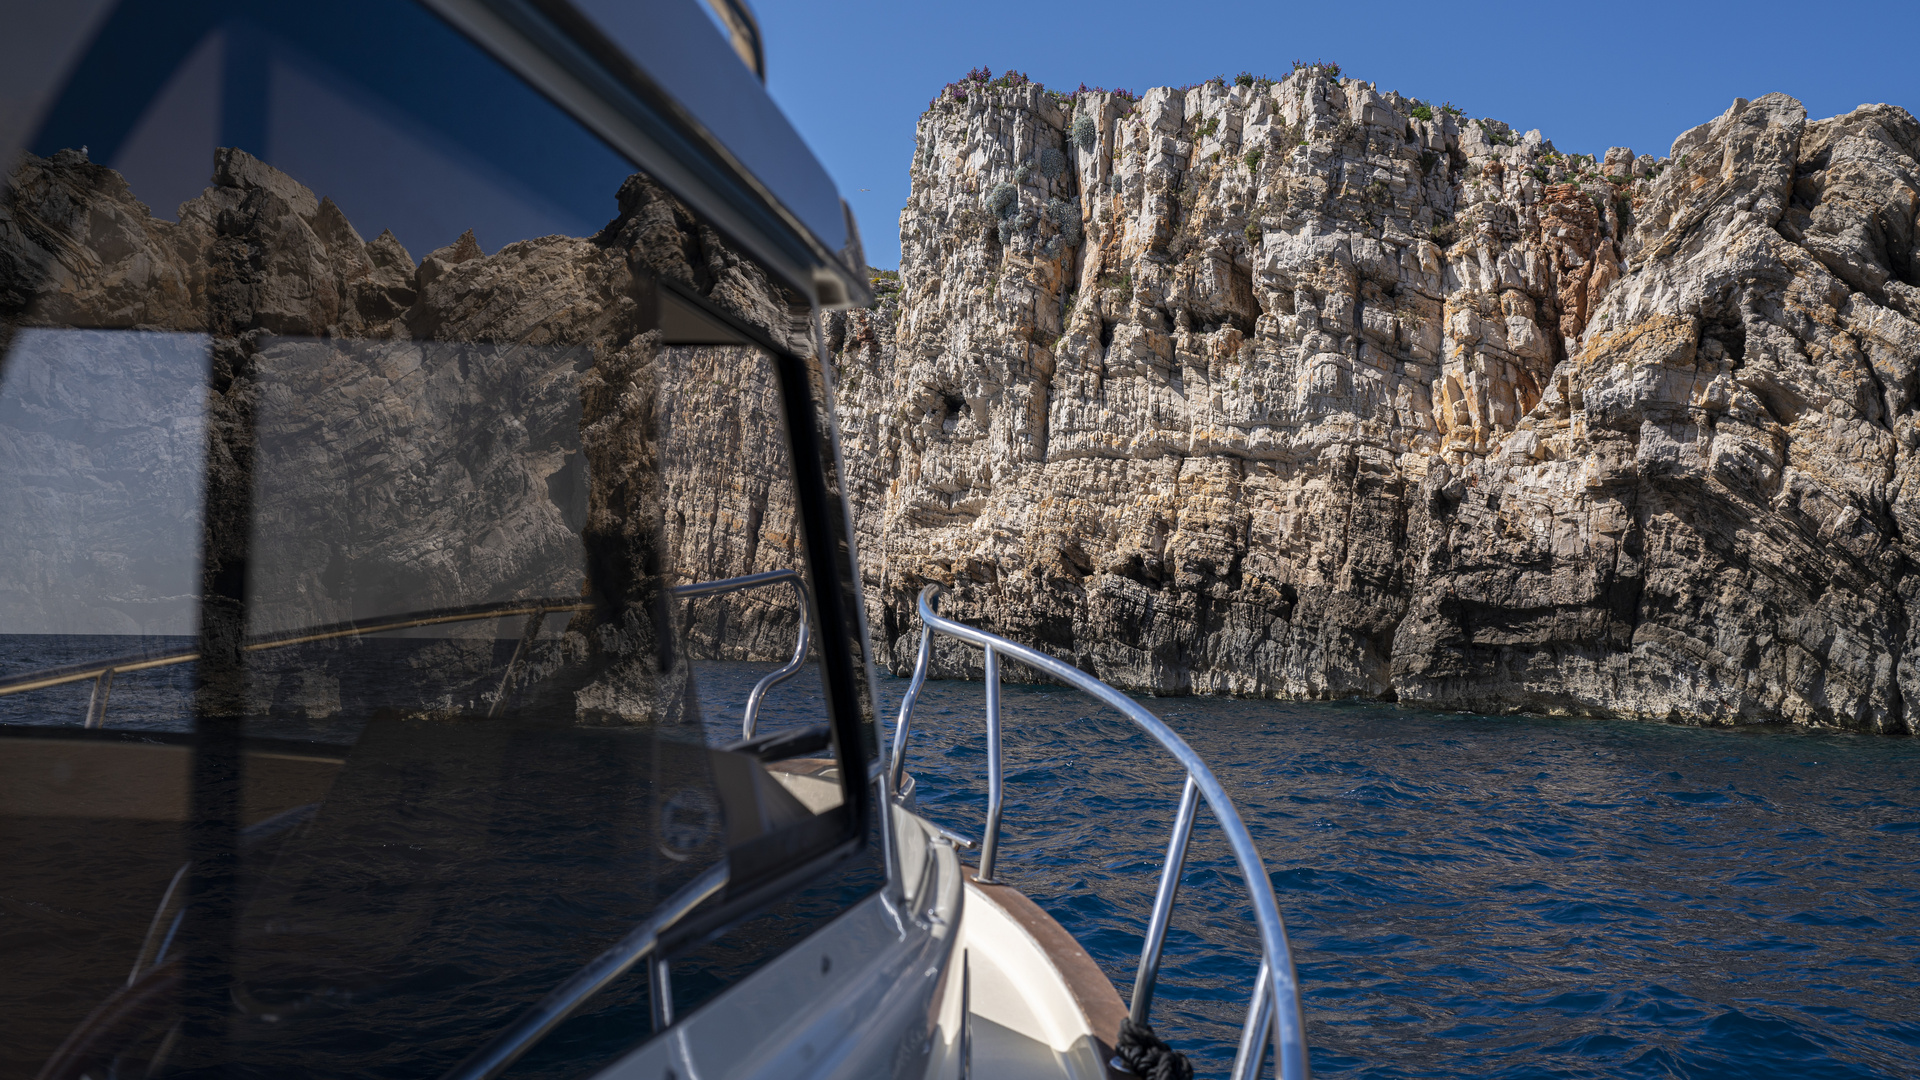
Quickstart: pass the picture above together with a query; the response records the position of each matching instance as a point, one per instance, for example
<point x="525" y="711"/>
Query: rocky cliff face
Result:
<point x="1304" y="389"/>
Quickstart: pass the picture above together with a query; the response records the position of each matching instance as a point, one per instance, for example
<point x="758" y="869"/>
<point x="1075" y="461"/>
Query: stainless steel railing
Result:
<point x="102" y="672"/>
<point x="1275" y="1007"/>
<point x="641" y="943"/>
<point x="793" y="665"/>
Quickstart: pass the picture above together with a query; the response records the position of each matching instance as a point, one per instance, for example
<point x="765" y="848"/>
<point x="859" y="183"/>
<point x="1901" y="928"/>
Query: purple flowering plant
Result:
<point x="983" y="78"/>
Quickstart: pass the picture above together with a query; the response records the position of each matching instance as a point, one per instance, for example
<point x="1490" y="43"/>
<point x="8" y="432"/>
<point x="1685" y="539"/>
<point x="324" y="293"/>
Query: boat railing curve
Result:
<point x="802" y="640"/>
<point x="101" y="672"/>
<point x="1275" y="1006"/>
<point x="640" y="943"/>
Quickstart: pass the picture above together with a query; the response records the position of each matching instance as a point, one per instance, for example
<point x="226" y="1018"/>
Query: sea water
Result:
<point x="1476" y="896"/>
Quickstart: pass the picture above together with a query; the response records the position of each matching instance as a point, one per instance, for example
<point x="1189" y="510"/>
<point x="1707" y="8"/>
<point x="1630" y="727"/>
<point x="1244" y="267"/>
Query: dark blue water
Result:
<point x="1471" y="896"/>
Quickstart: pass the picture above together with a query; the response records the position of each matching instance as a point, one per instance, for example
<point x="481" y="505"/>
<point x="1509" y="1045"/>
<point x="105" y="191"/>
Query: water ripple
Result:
<point x="1477" y="896"/>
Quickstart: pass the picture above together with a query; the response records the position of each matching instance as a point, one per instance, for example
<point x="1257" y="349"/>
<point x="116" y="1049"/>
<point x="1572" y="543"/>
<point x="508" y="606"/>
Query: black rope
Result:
<point x="1147" y="1055"/>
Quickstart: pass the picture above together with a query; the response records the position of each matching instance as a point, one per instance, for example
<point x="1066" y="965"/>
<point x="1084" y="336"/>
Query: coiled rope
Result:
<point x="1148" y="1056"/>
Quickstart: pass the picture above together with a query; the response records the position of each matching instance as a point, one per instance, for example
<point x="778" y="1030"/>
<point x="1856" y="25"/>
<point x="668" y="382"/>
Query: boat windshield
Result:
<point x="372" y="437"/>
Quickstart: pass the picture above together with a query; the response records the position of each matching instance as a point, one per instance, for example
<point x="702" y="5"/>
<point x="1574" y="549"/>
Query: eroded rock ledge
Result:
<point x="1322" y="392"/>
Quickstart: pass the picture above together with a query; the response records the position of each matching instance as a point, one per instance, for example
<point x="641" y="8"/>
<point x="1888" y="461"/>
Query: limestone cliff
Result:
<point x="1305" y="389"/>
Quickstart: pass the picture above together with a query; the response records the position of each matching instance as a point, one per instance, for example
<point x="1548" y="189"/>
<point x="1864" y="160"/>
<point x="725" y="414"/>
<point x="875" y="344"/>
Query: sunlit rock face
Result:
<point x="1322" y="392"/>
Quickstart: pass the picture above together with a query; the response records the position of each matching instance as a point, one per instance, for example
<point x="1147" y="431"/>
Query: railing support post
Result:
<point x="660" y="993"/>
<point x="97" y="704"/>
<point x="750" y="721"/>
<point x="1254" y="1036"/>
<point x="990" y="841"/>
<point x="904" y="725"/>
<point x="529" y="633"/>
<point x="1163" y="902"/>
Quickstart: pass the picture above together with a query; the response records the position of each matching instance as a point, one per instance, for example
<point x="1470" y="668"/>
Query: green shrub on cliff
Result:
<point x="1084" y="133"/>
<point x="1065" y="216"/>
<point x="1318" y="67"/>
<point x="1002" y="200"/>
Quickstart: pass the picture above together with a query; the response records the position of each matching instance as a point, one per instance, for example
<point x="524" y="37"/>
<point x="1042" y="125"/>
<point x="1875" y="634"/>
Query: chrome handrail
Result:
<point x="641" y="942"/>
<point x="792" y="667"/>
<point x="1163" y="898"/>
<point x="103" y="671"/>
<point x="1277" y="990"/>
<point x="536" y="610"/>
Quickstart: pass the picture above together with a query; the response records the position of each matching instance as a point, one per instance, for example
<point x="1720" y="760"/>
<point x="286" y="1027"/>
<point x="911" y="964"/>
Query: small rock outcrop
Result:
<point x="1307" y="389"/>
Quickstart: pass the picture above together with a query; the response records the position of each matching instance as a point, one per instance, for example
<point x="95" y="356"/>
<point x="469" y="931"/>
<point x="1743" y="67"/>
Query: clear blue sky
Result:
<point x="854" y="75"/>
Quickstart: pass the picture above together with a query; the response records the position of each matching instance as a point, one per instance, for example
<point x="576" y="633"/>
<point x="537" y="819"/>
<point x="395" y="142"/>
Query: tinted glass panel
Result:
<point x="102" y="442"/>
<point x="371" y="438"/>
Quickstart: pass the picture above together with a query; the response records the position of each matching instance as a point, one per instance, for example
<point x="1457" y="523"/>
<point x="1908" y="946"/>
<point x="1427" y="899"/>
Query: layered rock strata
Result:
<point x="1321" y="392"/>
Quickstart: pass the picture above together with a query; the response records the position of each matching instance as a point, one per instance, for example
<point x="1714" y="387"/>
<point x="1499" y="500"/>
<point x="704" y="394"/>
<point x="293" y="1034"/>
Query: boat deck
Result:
<point x="1037" y="1005"/>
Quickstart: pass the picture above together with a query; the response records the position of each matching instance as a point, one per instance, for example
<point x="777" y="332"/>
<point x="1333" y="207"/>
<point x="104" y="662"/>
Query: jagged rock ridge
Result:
<point x="1324" y="392"/>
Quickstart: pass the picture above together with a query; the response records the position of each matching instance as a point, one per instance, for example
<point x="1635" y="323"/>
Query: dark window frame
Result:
<point x="219" y="739"/>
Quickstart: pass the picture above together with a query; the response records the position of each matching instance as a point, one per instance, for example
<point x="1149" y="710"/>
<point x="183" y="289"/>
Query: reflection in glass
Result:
<point x="100" y="469"/>
<point x="102" y="441"/>
<point x="403" y="531"/>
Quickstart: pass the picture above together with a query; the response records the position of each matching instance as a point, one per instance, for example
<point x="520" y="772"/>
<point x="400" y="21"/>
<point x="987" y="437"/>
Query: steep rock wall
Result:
<point x="1321" y="392"/>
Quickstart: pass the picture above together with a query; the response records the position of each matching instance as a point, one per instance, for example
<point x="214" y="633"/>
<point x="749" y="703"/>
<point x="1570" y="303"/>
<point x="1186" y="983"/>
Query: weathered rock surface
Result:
<point x="1321" y="392"/>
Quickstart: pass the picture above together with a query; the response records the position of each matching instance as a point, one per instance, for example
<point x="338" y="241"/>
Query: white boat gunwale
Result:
<point x="1273" y="1014"/>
